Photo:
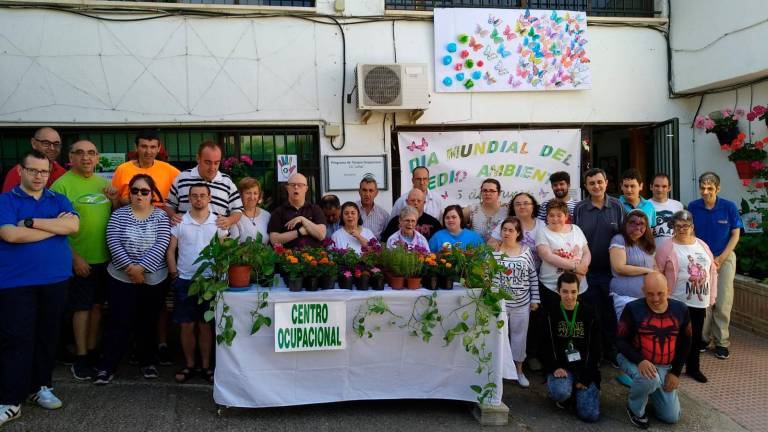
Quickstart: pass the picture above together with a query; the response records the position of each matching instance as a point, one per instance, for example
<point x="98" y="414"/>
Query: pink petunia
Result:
<point x="757" y="165"/>
<point x="759" y="110"/>
<point x="746" y="182"/>
<point x="751" y="116"/>
<point x="247" y="159"/>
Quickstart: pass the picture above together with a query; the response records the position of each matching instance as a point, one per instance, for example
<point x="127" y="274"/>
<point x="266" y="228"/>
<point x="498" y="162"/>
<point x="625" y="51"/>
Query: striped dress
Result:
<point x="135" y="241"/>
<point x="225" y="198"/>
<point x="520" y="279"/>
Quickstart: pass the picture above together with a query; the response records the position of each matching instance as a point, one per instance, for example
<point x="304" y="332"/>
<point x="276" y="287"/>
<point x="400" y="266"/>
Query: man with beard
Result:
<point x="560" y="182"/>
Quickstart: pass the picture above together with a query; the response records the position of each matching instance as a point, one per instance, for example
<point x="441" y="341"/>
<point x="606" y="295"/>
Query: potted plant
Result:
<point x="723" y="123"/>
<point x="431" y="272"/>
<point x="758" y="112"/>
<point x="346" y="260"/>
<point x="411" y="265"/>
<point x="346" y="279"/>
<point x="237" y="168"/>
<point x="291" y="267"/>
<point x="327" y="270"/>
<point x="748" y="157"/>
<point x="362" y="277"/>
<point x="262" y="259"/>
<point x="392" y="259"/>
<point x="376" y="278"/>
<point x="311" y="257"/>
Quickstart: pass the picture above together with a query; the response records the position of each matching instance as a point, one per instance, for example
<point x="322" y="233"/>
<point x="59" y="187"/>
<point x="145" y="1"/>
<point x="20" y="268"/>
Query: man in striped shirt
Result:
<point x="225" y="198"/>
<point x="560" y="182"/>
<point x="374" y="217"/>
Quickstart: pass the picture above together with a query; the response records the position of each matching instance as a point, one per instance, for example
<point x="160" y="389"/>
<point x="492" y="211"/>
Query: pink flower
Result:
<point x="739" y="113"/>
<point x="725" y="147"/>
<point x="751" y="116"/>
<point x="699" y="122"/>
<point x="759" y="110"/>
<point x="347" y="274"/>
<point x="247" y="159"/>
<point x="746" y="182"/>
<point x="757" y="165"/>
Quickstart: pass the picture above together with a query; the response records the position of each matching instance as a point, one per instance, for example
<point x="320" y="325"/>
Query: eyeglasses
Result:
<point x="296" y="185"/>
<point x="489" y="191"/>
<point x="682" y="227"/>
<point x="143" y="192"/>
<point x="81" y="153"/>
<point x="49" y="144"/>
<point x="36" y="172"/>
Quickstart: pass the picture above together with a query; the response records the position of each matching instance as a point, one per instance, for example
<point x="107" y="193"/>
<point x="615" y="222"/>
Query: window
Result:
<point x="614" y="8"/>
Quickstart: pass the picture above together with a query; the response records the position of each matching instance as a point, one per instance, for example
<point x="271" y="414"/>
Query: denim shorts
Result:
<point x="186" y="308"/>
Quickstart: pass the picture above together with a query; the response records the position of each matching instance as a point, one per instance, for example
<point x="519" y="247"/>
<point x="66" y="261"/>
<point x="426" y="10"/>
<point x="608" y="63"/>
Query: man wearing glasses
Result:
<point x="297" y="222"/>
<point x="36" y="264"/>
<point x="93" y="198"/>
<point x="48" y="142"/>
<point x="433" y="204"/>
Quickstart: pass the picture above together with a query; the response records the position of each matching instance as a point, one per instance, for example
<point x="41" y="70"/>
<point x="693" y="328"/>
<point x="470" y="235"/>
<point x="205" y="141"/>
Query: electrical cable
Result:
<point x="343" y="85"/>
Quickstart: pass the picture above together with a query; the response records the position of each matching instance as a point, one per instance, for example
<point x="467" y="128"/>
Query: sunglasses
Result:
<point x="143" y="192"/>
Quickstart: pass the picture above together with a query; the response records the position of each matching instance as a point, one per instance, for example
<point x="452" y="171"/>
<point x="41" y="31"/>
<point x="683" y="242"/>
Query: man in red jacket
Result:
<point x="47" y="141"/>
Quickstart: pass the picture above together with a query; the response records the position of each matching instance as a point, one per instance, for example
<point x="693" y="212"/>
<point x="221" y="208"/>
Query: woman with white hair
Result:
<point x="407" y="234"/>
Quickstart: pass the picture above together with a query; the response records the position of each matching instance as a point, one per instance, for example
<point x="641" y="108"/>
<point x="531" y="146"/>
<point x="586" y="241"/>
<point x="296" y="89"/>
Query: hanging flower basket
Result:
<point x="727" y="136"/>
<point x="744" y="169"/>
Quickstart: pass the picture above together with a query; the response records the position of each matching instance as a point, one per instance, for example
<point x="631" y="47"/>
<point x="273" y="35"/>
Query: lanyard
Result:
<point x="570" y="324"/>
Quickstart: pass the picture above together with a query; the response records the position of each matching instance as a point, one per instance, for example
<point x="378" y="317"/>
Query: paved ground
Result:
<point x="737" y="392"/>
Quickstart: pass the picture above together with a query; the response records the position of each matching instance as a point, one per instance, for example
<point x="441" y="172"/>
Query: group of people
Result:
<point x="601" y="268"/>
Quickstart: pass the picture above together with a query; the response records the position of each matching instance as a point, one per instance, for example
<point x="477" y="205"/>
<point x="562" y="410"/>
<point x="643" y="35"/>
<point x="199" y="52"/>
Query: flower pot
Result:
<point x="727" y="136"/>
<point x="295" y="284"/>
<point x="446" y="283"/>
<point x="396" y="282"/>
<point x="345" y="282"/>
<point x="744" y="168"/>
<point x="413" y="283"/>
<point x="377" y="284"/>
<point x="239" y="276"/>
<point x="361" y="283"/>
<point x="430" y="282"/>
<point x="327" y="282"/>
<point x="311" y="283"/>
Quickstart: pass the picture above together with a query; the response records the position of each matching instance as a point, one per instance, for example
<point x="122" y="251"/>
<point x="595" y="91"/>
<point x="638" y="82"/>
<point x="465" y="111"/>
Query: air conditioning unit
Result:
<point x="392" y="87"/>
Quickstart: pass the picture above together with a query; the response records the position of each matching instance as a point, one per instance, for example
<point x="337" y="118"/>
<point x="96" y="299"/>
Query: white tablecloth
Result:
<point x="391" y="365"/>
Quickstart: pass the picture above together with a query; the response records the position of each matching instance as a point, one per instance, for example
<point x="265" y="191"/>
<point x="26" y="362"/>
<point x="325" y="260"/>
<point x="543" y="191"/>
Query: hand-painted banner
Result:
<point x="510" y="50"/>
<point x="521" y="160"/>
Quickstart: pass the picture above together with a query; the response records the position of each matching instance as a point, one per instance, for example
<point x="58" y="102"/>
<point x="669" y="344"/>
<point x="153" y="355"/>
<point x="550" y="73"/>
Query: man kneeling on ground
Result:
<point x="654" y="336"/>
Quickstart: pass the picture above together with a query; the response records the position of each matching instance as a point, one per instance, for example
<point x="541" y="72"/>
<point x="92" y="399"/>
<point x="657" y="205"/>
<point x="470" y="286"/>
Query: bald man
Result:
<point x="93" y="198"/>
<point x="654" y="337"/>
<point x="297" y="222"/>
<point x="47" y="141"/>
<point x="426" y="224"/>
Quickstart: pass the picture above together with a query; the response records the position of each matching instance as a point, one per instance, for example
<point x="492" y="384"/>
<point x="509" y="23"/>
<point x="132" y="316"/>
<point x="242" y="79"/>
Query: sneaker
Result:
<point x="698" y="376"/>
<point x="164" y="355"/>
<point x="641" y="422"/>
<point x="81" y="370"/>
<point x="150" y="372"/>
<point x="534" y="364"/>
<point x="522" y="381"/>
<point x="102" y="377"/>
<point x="722" y="352"/>
<point x="45" y="398"/>
<point x="624" y="380"/>
<point x="9" y="412"/>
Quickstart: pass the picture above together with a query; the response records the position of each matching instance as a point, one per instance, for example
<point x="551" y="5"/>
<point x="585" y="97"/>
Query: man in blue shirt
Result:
<point x="718" y="223"/>
<point x="36" y="264"/>
<point x="631" y="186"/>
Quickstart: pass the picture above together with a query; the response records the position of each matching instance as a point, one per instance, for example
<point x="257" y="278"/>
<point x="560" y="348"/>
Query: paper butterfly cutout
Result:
<point x="481" y="31"/>
<point x="503" y="52"/>
<point x="421" y="147"/>
<point x="495" y="36"/>
<point x="492" y="20"/>
<point x="444" y="195"/>
<point x="500" y="68"/>
<point x="489" y="79"/>
<point x="509" y="34"/>
<point x="489" y="54"/>
<point x="476" y="46"/>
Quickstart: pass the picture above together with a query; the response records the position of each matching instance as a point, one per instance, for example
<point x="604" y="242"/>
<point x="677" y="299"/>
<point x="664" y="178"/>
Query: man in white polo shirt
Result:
<point x="433" y="203"/>
<point x="190" y="236"/>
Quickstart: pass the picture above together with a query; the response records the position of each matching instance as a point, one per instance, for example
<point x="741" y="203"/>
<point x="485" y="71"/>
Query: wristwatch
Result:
<point x="29" y="222"/>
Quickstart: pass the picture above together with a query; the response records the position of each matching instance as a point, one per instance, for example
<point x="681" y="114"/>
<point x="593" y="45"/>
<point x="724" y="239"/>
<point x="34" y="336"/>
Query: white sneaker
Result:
<point x="522" y="381"/>
<point x="45" y="398"/>
<point x="9" y="412"/>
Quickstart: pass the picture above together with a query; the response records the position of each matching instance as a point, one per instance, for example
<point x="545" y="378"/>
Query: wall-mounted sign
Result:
<point x="310" y="326"/>
<point x="108" y="163"/>
<point x="345" y="172"/>
<point x="287" y="165"/>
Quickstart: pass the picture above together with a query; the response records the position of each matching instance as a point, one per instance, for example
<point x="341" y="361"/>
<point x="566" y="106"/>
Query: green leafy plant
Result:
<point x="403" y="262"/>
<point x="261" y="257"/>
<point x="753" y="247"/>
<point x="424" y="317"/>
<point x="259" y="320"/>
<point x="372" y="306"/>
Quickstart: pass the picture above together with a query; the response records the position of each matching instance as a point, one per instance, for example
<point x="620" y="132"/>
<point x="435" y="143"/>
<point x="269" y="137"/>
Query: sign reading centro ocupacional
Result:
<point x="311" y="326"/>
<point x="521" y="160"/>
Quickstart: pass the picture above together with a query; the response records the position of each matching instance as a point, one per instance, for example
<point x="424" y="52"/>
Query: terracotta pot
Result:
<point x="744" y="168"/>
<point x="413" y="283"/>
<point x="239" y="276"/>
<point x="362" y="283"/>
<point x="396" y="282"/>
<point x="295" y="284"/>
<point x="727" y="136"/>
<point x="345" y="282"/>
<point x="311" y="283"/>
<point x="377" y="284"/>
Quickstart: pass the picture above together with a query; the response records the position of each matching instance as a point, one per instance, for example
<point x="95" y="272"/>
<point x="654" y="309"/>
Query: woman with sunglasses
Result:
<point x="488" y="213"/>
<point x="137" y="236"/>
<point x="691" y="272"/>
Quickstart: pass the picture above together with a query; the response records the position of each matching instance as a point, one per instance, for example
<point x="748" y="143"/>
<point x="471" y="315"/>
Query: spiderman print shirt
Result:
<point x="661" y="338"/>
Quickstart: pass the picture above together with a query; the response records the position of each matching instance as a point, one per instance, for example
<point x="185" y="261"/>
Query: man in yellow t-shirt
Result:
<point x="147" y="148"/>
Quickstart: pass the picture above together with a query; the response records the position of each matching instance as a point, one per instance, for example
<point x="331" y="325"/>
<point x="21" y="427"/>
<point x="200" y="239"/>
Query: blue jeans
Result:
<point x="666" y="404"/>
<point x="587" y="400"/>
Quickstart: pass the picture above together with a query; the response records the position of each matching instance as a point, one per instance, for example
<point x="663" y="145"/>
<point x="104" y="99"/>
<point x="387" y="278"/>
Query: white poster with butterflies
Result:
<point x="496" y="50"/>
<point x="521" y="160"/>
